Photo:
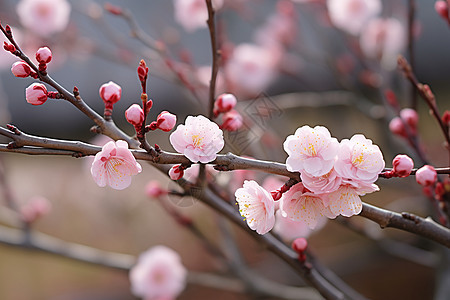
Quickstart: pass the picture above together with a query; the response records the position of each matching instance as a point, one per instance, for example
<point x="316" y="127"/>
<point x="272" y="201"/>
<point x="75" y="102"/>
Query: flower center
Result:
<point x="358" y="160"/>
<point x="197" y="140"/>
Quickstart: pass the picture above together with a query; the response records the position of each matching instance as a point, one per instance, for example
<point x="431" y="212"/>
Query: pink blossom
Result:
<point x="110" y="93"/>
<point x="158" y="274"/>
<point x="311" y="150"/>
<point x="426" y="175"/>
<point x="43" y="55"/>
<point x="44" y="17"/>
<point x="114" y="166"/>
<point x="36" y="207"/>
<point x="135" y="115"/>
<point x="232" y="121"/>
<point x="352" y="15"/>
<point x="322" y="184"/>
<point x="251" y="68"/>
<point x="166" y="121"/>
<point x="224" y="103"/>
<point x="396" y="126"/>
<point x="402" y="165"/>
<point x="192" y="14"/>
<point x="257" y="206"/>
<point x="153" y="189"/>
<point x="411" y="117"/>
<point x="302" y="206"/>
<point x="383" y="39"/>
<point x="199" y="140"/>
<point x="346" y="201"/>
<point x="358" y="159"/>
<point x="21" y="69"/>
<point x="36" y="94"/>
<point x="176" y="172"/>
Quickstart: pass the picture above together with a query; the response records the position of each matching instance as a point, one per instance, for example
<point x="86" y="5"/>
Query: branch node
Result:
<point x="411" y="217"/>
<point x="13" y="128"/>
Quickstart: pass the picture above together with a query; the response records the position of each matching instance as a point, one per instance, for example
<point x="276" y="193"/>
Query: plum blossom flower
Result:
<point x="251" y="68"/>
<point x="199" y="139"/>
<point x="352" y="15"/>
<point x="192" y="14"/>
<point x="383" y="39"/>
<point x="44" y="17"/>
<point x="426" y="175"/>
<point x="358" y="159"/>
<point x="311" y="150"/>
<point x="346" y="201"/>
<point x="158" y="274"/>
<point x="289" y="229"/>
<point x="36" y="94"/>
<point x="114" y="165"/>
<point x="302" y="206"/>
<point x="257" y="206"/>
<point x="322" y="184"/>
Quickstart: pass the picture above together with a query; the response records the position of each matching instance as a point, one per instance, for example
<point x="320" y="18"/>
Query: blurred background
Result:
<point x="317" y="75"/>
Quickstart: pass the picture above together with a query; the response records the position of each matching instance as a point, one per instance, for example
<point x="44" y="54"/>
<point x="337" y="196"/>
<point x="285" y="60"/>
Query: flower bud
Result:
<point x="224" y="103"/>
<point x="299" y="245"/>
<point x="110" y="93"/>
<point x="166" y="121"/>
<point x="21" y="69"/>
<point x="396" y="126"/>
<point x="446" y="117"/>
<point x="403" y="165"/>
<point x="35" y="208"/>
<point x="426" y="175"/>
<point x="153" y="189"/>
<point x="441" y="7"/>
<point x="44" y="55"/>
<point x="36" y="94"/>
<point x="232" y="121"/>
<point x="176" y="172"/>
<point x="134" y="115"/>
<point x="410" y="116"/>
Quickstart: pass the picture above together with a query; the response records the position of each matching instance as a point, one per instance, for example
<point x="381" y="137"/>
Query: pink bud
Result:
<point x="36" y="94"/>
<point x="142" y="71"/>
<point x="166" y="121"/>
<point x="410" y="116"/>
<point x="134" y="115"/>
<point x="21" y="69"/>
<point x="446" y="117"/>
<point x="403" y="165"/>
<point x="426" y="175"/>
<point x="276" y="195"/>
<point x="232" y="121"/>
<point x="176" y="172"/>
<point x="441" y="8"/>
<point x="44" y="55"/>
<point x="224" y="103"/>
<point x="153" y="189"/>
<point x="110" y="93"/>
<point x="396" y="126"/>
<point x="35" y="208"/>
<point x="299" y="245"/>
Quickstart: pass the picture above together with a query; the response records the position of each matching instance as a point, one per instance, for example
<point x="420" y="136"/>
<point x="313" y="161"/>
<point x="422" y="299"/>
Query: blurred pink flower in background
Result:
<point x="192" y="14"/>
<point x="153" y="189"/>
<point x="35" y="208"/>
<point x="232" y="121"/>
<point x="199" y="139"/>
<point x="358" y="159"/>
<point x="383" y="39"/>
<point x="158" y="274"/>
<point x="257" y="206"/>
<point x="44" y="17"/>
<point x="290" y="230"/>
<point x="114" y="166"/>
<point x="311" y="150"/>
<point x="251" y="68"/>
<point x="352" y="15"/>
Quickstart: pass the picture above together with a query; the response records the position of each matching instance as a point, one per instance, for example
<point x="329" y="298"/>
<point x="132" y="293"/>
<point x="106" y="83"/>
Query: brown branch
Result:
<point x="215" y="57"/>
<point x="411" y="30"/>
<point x="407" y="222"/>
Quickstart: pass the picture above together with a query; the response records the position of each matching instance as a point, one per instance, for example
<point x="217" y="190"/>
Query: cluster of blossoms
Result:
<point x="334" y="176"/>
